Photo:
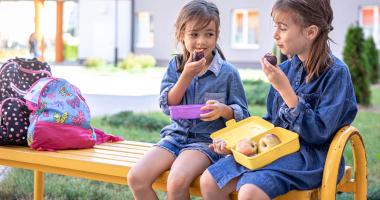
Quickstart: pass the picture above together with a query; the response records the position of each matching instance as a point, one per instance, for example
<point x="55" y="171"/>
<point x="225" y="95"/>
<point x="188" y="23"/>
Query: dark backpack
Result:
<point x="16" y="77"/>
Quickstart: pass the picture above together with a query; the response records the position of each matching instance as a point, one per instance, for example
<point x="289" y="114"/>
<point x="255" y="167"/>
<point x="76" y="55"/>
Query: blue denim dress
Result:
<point x="220" y="82"/>
<point x="326" y="104"/>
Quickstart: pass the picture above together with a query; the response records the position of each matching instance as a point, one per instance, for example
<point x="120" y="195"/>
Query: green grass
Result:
<point x="375" y="95"/>
<point x="18" y="184"/>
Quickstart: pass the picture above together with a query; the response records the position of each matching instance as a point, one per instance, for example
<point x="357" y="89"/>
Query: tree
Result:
<point x="372" y="56"/>
<point x="354" y="57"/>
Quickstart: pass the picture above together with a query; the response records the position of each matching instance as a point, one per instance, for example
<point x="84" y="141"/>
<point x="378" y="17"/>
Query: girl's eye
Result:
<point x="193" y="34"/>
<point x="210" y="34"/>
<point x="280" y="27"/>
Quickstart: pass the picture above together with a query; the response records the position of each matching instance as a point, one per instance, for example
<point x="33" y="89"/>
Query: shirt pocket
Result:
<point x="220" y="96"/>
<point x="311" y="99"/>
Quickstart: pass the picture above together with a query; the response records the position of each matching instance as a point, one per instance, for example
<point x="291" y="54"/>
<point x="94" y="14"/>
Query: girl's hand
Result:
<point x="192" y="69"/>
<point x="280" y="82"/>
<point x="217" y="110"/>
<point x="275" y="75"/>
<point x="219" y="146"/>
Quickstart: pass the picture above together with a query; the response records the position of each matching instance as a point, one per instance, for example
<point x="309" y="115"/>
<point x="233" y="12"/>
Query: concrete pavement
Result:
<point x="108" y="92"/>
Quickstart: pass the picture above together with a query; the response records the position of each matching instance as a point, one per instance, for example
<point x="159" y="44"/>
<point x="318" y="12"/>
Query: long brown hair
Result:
<point x="307" y="13"/>
<point x="202" y="12"/>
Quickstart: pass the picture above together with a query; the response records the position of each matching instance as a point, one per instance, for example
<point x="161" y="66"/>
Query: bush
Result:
<point x="143" y="121"/>
<point x="138" y="62"/>
<point x="94" y="62"/>
<point x="372" y="56"/>
<point x="70" y="52"/>
<point x="256" y="91"/>
<point x="354" y="57"/>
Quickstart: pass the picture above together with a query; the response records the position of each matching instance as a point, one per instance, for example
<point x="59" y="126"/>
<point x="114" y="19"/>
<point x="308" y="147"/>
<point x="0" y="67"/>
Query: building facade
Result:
<point x="246" y="27"/>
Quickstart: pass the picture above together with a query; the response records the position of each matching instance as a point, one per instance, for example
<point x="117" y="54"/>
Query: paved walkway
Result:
<point x="110" y="92"/>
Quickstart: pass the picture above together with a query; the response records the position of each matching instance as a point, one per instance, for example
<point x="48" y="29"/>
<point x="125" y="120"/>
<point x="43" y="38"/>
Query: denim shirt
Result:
<point x="220" y="82"/>
<point x="326" y="104"/>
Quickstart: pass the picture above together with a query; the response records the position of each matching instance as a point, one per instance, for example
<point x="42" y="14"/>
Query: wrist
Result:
<point x="227" y="112"/>
<point x="290" y="97"/>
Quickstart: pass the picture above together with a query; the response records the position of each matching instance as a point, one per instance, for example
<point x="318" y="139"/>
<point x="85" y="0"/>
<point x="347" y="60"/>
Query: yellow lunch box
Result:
<point x="254" y="128"/>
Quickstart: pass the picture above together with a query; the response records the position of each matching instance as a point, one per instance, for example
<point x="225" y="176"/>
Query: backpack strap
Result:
<point x="31" y="71"/>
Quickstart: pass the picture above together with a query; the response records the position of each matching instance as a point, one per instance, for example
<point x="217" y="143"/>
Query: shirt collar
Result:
<point x="296" y="61"/>
<point x="216" y="63"/>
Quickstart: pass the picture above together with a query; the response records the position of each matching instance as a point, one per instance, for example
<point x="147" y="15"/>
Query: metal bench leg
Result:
<point x="38" y="185"/>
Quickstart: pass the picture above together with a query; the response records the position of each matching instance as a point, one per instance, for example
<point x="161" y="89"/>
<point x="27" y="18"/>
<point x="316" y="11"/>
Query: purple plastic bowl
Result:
<point x="187" y="111"/>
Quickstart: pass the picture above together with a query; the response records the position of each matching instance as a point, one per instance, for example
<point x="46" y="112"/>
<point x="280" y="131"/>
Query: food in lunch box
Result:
<point x="197" y="55"/>
<point x="247" y="147"/>
<point x="268" y="141"/>
<point x="271" y="58"/>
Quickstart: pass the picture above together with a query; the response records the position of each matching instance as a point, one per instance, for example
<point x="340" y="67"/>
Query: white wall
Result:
<point x="97" y="29"/>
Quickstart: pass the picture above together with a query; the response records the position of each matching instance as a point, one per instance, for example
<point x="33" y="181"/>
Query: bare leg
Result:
<point x="210" y="190"/>
<point x="146" y="170"/>
<point x="189" y="165"/>
<point x="250" y="192"/>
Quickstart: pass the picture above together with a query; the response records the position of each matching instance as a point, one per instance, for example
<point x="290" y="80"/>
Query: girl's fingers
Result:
<point x="207" y="119"/>
<point x="212" y="101"/>
<point x="207" y="115"/>
<point x="223" y="146"/>
<point x="190" y="59"/>
<point x="264" y="67"/>
<point x="271" y="67"/>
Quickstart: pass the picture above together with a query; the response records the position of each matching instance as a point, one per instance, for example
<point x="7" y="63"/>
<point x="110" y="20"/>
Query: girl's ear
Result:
<point x="312" y="32"/>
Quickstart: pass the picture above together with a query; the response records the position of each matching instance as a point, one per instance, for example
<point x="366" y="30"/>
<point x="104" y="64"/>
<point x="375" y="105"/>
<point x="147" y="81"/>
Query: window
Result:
<point x="245" y="29"/>
<point x="370" y="22"/>
<point x="144" y="28"/>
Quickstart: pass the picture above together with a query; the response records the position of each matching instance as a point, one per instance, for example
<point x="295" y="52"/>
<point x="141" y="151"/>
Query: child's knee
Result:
<point x="248" y="191"/>
<point x="136" y="178"/>
<point x="207" y="181"/>
<point x="178" y="181"/>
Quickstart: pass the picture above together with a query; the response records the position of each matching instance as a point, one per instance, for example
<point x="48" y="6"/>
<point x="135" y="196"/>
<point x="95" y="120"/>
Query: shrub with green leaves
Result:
<point x="70" y="52"/>
<point x="138" y="62"/>
<point x="256" y="91"/>
<point x="353" y="56"/>
<point x="372" y="56"/>
<point x="128" y="119"/>
<point x="94" y="62"/>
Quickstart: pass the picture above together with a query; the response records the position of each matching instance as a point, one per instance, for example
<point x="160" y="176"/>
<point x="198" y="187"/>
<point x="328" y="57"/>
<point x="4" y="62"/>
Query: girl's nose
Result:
<point x="201" y="41"/>
<point x="276" y="36"/>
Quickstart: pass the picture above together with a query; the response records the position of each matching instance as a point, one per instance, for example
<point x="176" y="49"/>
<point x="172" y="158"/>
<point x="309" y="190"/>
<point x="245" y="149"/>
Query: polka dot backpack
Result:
<point x="16" y="77"/>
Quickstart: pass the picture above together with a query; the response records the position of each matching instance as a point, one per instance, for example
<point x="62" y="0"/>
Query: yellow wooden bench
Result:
<point x="110" y="162"/>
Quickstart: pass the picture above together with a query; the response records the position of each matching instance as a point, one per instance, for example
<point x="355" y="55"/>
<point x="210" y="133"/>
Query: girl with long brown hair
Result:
<point x="311" y="94"/>
<point x="211" y="81"/>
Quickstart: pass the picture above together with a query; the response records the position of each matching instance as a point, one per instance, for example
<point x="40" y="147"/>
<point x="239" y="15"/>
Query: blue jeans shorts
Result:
<point x="176" y="144"/>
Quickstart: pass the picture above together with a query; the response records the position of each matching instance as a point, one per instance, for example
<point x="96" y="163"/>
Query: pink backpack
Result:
<point x="60" y="117"/>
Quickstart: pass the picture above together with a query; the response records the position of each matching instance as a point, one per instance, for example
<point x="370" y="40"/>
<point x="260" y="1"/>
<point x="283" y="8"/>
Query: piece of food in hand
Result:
<point x="247" y="147"/>
<point x="197" y="55"/>
<point x="271" y="58"/>
<point x="268" y="141"/>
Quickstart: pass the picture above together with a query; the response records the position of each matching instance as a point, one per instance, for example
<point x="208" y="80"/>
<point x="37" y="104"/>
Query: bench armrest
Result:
<point x="331" y="168"/>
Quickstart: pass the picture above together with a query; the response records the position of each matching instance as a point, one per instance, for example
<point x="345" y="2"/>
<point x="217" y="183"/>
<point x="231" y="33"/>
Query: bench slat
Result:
<point x="120" y="149"/>
<point x="146" y="144"/>
<point x="131" y="146"/>
<point x="89" y="152"/>
<point x="102" y="155"/>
